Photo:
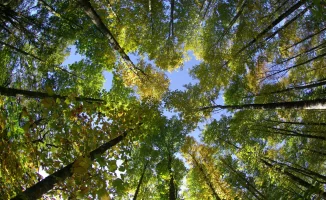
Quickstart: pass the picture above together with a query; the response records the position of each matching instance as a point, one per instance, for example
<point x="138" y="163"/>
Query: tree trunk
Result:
<point x="42" y="187"/>
<point x="274" y="23"/>
<point x="97" y="21"/>
<point x="296" y="179"/>
<point x="234" y="19"/>
<point x="299" y="169"/>
<point x="208" y="182"/>
<point x="37" y="58"/>
<point x="287" y="23"/>
<point x="298" y="55"/>
<point x="171" y="32"/>
<point x="299" y="123"/>
<point x="21" y="51"/>
<point x="54" y="12"/>
<point x="306" y="38"/>
<point x="247" y="184"/>
<point x="294" y="66"/>
<point x="172" y="193"/>
<point x="290" y="133"/>
<point x="281" y="105"/>
<point x="12" y="92"/>
<point x="315" y="151"/>
<point x="140" y="180"/>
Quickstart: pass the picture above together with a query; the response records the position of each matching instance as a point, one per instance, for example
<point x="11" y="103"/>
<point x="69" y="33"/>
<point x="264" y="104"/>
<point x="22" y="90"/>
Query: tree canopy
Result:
<point x="251" y="124"/>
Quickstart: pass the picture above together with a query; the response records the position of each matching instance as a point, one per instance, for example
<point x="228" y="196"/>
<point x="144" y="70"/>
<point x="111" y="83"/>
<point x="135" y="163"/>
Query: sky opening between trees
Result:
<point x="256" y="89"/>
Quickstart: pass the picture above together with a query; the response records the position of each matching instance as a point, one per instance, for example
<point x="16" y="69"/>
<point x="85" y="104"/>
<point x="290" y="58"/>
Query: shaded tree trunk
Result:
<point x="21" y="51"/>
<point x="234" y="19"/>
<point x="301" y="170"/>
<point x="171" y="32"/>
<point x="35" y="57"/>
<point x="12" y="92"/>
<point x="247" y="184"/>
<point x="306" y="38"/>
<point x="299" y="123"/>
<point x="42" y="187"/>
<point x="172" y="192"/>
<point x="280" y="105"/>
<point x="295" y="178"/>
<point x="294" y="66"/>
<point x="288" y="23"/>
<point x="290" y="133"/>
<point x="315" y="151"/>
<point x="97" y="21"/>
<point x="274" y="23"/>
<point x="140" y="180"/>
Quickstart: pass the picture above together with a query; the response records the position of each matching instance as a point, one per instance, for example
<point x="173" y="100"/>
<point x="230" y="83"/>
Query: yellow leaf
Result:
<point x="105" y="197"/>
<point x="81" y="166"/>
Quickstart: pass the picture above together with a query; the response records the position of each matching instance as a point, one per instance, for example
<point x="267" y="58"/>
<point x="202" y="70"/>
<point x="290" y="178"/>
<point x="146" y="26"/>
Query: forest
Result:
<point x="250" y="125"/>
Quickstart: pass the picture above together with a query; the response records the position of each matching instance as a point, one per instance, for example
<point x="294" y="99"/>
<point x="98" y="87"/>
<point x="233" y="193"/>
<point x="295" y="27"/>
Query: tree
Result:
<point x="257" y="99"/>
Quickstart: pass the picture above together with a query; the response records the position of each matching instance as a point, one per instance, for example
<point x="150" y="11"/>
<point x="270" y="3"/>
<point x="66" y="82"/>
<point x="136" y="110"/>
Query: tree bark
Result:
<point x="281" y="105"/>
<point x="140" y="180"/>
<point x="42" y="187"/>
<point x="12" y="92"/>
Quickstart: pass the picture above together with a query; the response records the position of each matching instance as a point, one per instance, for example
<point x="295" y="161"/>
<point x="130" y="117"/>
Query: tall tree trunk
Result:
<point x="306" y="38"/>
<point x="234" y="19"/>
<point x="319" y="46"/>
<point x="12" y="92"/>
<point x="54" y="12"/>
<point x="172" y="193"/>
<point x="289" y="133"/>
<point x="171" y="32"/>
<point x="274" y="23"/>
<point x="288" y="23"/>
<point x="299" y="87"/>
<point x="42" y="187"/>
<point x="315" y="151"/>
<point x="208" y="182"/>
<point x="21" y="51"/>
<point x="294" y="66"/>
<point x="247" y="184"/>
<point x="140" y="180"/>
<point x="295" y="178"/>
<point x="37" y="58"/>
<point x="97" y="21"/>
<point x="299" y="169"/>
<point x="299" y="123"/>
<point x="281" y="105"/>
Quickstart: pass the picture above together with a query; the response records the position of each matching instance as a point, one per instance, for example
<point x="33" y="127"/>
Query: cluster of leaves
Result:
<point x="267" y="59"/>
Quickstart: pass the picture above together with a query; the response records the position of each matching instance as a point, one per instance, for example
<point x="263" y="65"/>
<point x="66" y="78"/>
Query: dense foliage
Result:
<point x="63" y="136"/>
